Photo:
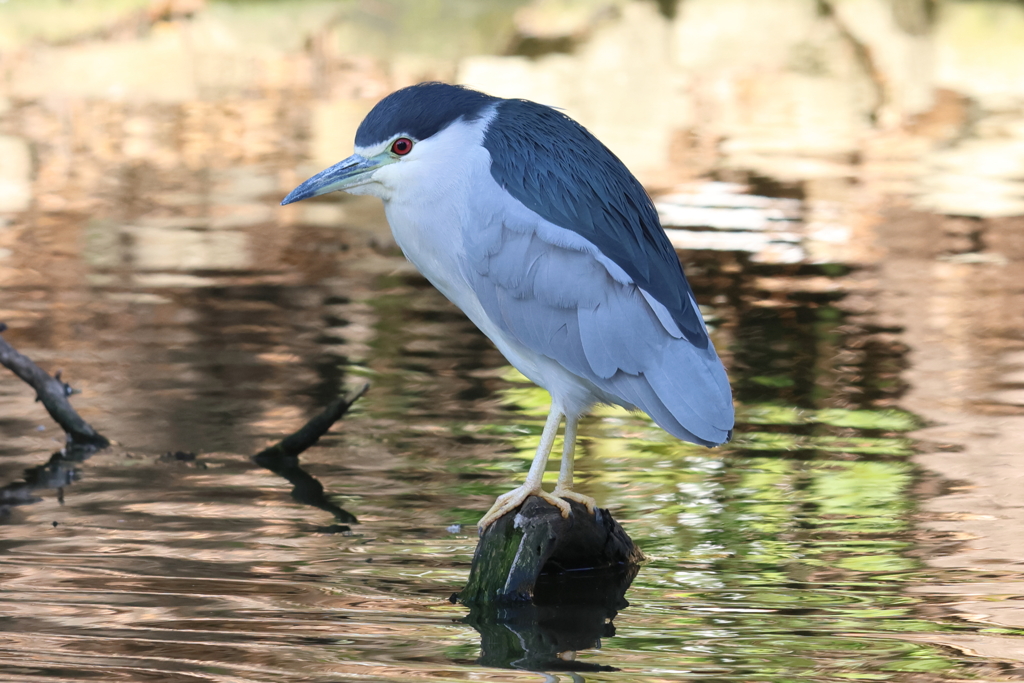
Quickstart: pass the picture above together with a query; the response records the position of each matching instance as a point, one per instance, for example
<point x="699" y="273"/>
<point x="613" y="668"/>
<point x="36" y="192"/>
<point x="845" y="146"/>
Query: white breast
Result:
<point x="432" y="201"/>
<point x="427" y="199"/>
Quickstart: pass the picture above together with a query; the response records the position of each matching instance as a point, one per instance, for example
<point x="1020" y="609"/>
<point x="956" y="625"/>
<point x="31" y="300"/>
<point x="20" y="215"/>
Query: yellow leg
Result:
<point x="563" y="488"/>
<point x="531" y="487"/>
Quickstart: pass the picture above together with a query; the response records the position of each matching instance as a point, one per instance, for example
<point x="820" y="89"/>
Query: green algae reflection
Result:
<point x="781" y="556"/>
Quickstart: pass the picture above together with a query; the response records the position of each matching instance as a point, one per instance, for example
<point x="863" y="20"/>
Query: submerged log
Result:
<point x="532" y="546"/>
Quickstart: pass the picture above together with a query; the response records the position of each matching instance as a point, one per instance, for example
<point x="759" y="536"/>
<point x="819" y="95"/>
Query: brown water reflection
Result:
<point x="143" y="150"/>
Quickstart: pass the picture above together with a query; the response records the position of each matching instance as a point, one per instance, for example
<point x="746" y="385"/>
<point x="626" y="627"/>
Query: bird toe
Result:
<point x="557" y="501"/>
<point x="505" y="503"/>
<point x="569" y="494"/>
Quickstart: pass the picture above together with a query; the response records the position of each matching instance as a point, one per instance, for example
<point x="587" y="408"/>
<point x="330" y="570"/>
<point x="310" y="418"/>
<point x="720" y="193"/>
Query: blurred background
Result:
<point x="843" y="179"/>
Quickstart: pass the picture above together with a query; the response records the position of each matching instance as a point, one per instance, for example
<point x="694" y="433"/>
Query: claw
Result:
<point x="569" y="494"/>
<point x="507" y="502"/>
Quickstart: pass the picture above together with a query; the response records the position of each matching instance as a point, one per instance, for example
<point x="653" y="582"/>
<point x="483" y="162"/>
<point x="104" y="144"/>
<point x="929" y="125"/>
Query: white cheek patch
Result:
<point x="373" y="189"/>
<point x="452" y="162"/>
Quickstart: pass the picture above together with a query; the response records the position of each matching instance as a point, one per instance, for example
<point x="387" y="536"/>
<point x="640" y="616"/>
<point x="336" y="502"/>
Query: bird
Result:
<point x="551" y="246"/>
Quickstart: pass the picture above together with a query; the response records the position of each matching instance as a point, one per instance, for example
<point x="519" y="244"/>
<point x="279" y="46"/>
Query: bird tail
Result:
<point x="685" y="391"/>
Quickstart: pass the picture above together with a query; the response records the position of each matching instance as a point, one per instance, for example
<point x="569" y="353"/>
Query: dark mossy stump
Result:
<point x="543" y="586"/>
<point x="534" y="540"/>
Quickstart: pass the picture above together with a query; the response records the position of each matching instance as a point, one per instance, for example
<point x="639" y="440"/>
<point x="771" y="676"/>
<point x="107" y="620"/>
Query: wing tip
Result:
<point x="685" y="434"/>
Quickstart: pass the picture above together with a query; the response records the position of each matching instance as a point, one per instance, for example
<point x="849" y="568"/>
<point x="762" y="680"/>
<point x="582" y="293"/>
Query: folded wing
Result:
<point x="556" y="294"/>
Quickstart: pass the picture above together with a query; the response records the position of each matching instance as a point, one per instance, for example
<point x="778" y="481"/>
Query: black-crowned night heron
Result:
<point x="548" y="243"/>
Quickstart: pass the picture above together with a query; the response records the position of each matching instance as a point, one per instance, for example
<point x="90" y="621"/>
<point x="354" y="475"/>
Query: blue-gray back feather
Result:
<point x="575" y="265"/>
<point x="558" y="169"/>
<point x="561" y="302"/>
<point x="555" y="167"/>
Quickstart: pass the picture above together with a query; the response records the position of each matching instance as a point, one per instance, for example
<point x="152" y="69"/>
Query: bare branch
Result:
<point x="54" y="395"/>
<point x="292" y="445"/>
<point x="283" y="458"/>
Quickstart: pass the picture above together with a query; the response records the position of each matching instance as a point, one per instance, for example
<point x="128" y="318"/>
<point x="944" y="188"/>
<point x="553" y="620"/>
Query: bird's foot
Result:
<point x="507" y="502"/>
<point x="568" y="494"/>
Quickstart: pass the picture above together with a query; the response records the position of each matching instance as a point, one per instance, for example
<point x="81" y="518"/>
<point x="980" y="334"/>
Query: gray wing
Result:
<point x="560" y="171"/>
<point x="556" y="294"/>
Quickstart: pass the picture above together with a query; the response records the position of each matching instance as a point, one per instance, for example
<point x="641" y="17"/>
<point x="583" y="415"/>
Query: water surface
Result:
<point x="149" y="260"/>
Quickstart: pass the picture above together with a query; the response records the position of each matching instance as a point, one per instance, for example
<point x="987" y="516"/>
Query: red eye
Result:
<point x="401" y="146"/>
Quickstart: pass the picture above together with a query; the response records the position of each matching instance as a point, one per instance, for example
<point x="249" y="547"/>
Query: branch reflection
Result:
<point x="283" y="460"/>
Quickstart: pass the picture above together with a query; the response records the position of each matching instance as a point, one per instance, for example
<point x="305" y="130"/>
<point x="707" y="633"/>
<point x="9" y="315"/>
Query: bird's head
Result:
<point x="399" y="134"/>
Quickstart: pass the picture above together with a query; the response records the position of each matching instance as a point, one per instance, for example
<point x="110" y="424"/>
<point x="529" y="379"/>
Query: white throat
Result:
<point x="425" y="198"/>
